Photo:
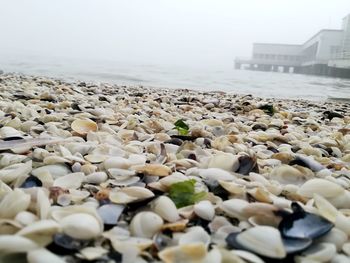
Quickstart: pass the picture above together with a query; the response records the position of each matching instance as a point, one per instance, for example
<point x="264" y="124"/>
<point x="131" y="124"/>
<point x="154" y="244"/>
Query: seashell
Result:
<point x="55" y="170"/>
<point x="195" y="235"/>
<point x="7" y="132"/>
<point x="55" y="160"/>
<point x="308" y="162"/>
<point x="260" y="195"/>
<point x="322" y="252"/>
<point x="284" y="157"/>
<point x="154" y="169"/>
<point x="16" y="244"/>
<point x="225" y="161"/>
<point x="96" y="178"/>
<point x="116" y="162"/>
<point x="70" y="181"/>
<point x="249" y="257"/>
<point x="93" y="253"/>
<point x="346" y="248"/>
<point x="302" y="224"/>
<point x="43" y="256"/>
<point x="14" y="171"/>
<point x="263" y="240"/>
<point x="39" y="229"/>
<point x="247" y="164"/>
<point x="185" y="253"/>
<point x="232" y="187"/>
<point x="43" y="204"/>
<point x="88" y="168"/>
<point x="336" y="237"/>
<point x="145" y="224"/>
<point x="81" y="226"/>
<point x="177" y="226"/>
<point x="204" y="209"/>
<point x="130" y="194"/>
<point x="13" y="203"/>
<point x="234" y="208"/>
<point x="343" y="223"/>
<point x="26" y="218"/>
<point x="95" y="158"/>
<point x="166" y="208"/>
<point x="82" y="127"/>
<point x="286" y="174"/>
<point x="110" y="213"/>
<point x="325" y="208"/>
<point x="120" y="174"/>
<point x="322" y="187"/>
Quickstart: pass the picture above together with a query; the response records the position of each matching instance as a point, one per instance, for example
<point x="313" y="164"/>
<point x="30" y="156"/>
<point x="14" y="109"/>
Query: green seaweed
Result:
<point x="181" y="127"/>
<point x="183" y="193"/>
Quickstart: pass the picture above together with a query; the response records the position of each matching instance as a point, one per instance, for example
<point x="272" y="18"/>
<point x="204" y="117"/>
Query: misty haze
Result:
<point x="175" y="131"/>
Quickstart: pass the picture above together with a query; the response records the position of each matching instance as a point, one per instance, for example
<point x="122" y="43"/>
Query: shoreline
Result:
<point x="97" y="171"/>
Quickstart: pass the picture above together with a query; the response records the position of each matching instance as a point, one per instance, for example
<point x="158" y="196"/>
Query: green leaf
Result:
<point x="181" y="127"/>
<point x="183" y="193"/>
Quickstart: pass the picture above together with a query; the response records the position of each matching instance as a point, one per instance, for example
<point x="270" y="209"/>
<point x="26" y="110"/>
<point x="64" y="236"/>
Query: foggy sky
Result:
<point x="174" y="32"/>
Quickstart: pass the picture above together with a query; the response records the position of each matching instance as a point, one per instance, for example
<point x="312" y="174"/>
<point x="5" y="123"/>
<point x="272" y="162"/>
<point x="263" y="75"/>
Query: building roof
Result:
<point x="276" y="44"/>
<point x="321" y="31"/>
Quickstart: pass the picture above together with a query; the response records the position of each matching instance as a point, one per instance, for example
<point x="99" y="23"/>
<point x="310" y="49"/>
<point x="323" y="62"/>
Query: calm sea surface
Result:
<point x="264" y="84"/>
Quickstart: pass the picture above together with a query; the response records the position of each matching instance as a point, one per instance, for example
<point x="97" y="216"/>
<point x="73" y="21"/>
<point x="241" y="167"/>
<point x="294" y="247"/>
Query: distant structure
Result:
<point x="326" y="53"/>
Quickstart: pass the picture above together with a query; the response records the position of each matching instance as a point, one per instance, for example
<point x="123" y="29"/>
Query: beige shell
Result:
<point x="130" y="194"/>
<point x="186" y="253"/>
<point x="13" y="203"/>
<point x="205" y="210"/>
<point x="154" y="169"/>
<point x="322" y="187"/>
<point x="43" y="256"/>
<point x="83" y="127"/>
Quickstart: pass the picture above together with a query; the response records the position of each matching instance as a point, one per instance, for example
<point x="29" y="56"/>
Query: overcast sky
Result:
<point x="179" y="32"/>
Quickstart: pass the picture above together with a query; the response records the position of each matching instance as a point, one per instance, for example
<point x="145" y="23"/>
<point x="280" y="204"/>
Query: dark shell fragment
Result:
<point x="63" y="244"/>
<point x="301" y="224"/>
<point x="247" y="164"/>
<point x="31" y="181"/>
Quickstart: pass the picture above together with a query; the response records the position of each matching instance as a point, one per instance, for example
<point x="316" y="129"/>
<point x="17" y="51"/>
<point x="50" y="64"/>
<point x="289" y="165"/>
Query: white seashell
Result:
<point x="43" y="227"/>
<point x="154" y="170"/>
<point x="55" y="159"/>
<point x="145" y="224"/>
<point x="322" y="252"/>
<point x="213" y="256"/>
<point x="286" y="174"/>
<point x="43" y="256"/>
<point x="55" y="170"/>
<point x="81" y="226"/>
<point x="120" y="174"/>
<point x="96" y="178"/>
<point x="264" y="240"/>
<point x="195" y="235"/>
<point x="325" y="208"/>
<point x="116" y="162"/>
<point x="43" y="204"/>
<point x="225" y="161"/>
<point x="95" y="158"/>
<point x="6" y="132"/>
<point x="15" y="244"/>
<point x="343" y="223"/>
<point x="234" y="208"/>
<point x="130" y="194"/>
<point x="346" y="248"/>
<point x="321" y="187"/>
<point x="92" y="253"/>
<point x="212" y="175"/>
<point x="13" y="203"/>
<point x="166" y="209"/>
<point x="249" y="257"/>
<point x="14" y="171"/>
<point x="340" y="258"/>
<point x="205" y="210"/>
<point x="336" y="237"/>
<point x="186" y="253"/>
<point x="26" y="218"/>
<point x="233" y="188"/>
<point x="70" y="181"/>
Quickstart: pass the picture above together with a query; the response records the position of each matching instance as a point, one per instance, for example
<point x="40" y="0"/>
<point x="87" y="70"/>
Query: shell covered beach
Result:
<point x="93" y="172"/>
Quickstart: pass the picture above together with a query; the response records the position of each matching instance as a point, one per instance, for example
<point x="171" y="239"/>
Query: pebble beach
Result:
<point x="96" y="172"/>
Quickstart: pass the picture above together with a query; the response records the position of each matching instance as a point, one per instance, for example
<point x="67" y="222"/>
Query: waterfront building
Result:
<point x="326" y="53"/>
